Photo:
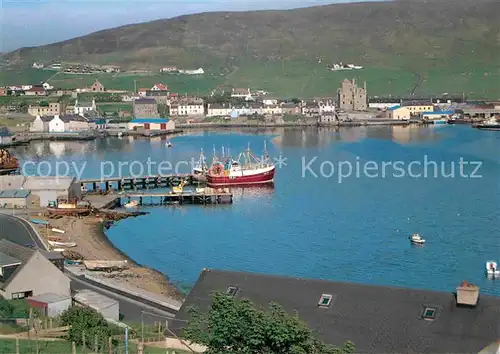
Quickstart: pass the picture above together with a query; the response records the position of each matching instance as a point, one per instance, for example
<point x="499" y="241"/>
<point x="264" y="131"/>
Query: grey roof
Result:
<point x="73" y="118"/>
<point x="15" y="193"/>
<point x="49" y="298"/>
<point x="18" y="252"/>
<point x="51" y="256"/>
<point x="145" y="101"/>
<point x="93" y="300"/>
<point x="48" y="183"/>
<point x="6" y="260"/>
<point x="377" y="319"/>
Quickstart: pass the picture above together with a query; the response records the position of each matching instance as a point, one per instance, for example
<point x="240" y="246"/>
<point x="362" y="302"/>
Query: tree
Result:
<point x="232" y="326"/>
<point x="86" y="323"/>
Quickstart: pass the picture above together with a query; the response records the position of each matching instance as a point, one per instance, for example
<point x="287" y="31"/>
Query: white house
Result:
<point x="190" y="109"/>
<point x="71" y="123"/>
<point x="219" y="110"/>
<point x="272" y="110"/>
<point x="242" y="93"/>
<point x="56" y="125"/>
<point x="82" y="107"/>
<point x="47" y="86"/>
<point x="326" y="106"/>
<point x="199" y="71"/>
<point x="41" y="124"/>
<point x="159" y="87"/>
<point x="270" y="102"/>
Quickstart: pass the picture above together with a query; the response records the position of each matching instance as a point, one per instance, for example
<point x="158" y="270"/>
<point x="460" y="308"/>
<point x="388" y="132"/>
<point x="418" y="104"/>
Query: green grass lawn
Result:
<point x="115" y="107"/>
<point x="27" y="76"/>
<point x="8" y="346"/>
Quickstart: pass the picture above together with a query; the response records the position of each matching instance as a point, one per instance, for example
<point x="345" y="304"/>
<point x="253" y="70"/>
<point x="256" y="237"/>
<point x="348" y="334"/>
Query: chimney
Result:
<point x="467" y="294"/>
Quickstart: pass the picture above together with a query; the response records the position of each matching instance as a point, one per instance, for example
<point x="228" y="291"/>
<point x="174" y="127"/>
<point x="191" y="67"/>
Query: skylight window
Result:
<point x="429" y="313"/>
<point x="325" y="300"/>
<point x="231" y="291"/>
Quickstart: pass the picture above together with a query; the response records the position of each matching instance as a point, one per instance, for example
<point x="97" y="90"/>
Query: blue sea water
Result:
<point x="352" y="229"/>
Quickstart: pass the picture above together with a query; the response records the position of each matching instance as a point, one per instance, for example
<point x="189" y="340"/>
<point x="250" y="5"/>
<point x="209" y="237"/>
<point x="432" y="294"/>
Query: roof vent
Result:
<point x="467" y="294"/>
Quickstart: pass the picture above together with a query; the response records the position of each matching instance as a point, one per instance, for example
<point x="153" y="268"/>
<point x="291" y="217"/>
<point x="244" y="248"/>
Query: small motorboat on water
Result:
<point x="492" y="269"/>
<point x="131" y="204"/>
<point x="417" y="239"/>
<point x="168" y="144"/>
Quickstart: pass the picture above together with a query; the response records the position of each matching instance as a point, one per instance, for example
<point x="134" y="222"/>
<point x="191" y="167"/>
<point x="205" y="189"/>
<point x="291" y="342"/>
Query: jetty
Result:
<point x="206" y="197"/>
<point x="145" y="182"/>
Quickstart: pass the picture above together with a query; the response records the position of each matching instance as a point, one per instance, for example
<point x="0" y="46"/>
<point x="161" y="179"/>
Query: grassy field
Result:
<point x="294" y="79"/>
<point x="201" y="84"/>
<point x="115" y="107"/>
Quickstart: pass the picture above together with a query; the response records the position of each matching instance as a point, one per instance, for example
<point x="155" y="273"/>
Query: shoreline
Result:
<point x="93" y="244"/>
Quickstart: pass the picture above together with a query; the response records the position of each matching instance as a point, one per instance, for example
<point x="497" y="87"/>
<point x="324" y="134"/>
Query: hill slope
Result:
<point x="414" y="35"/>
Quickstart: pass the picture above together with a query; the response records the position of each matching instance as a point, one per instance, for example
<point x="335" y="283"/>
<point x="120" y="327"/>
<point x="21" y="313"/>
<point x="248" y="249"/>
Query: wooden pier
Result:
<point x="187" y="197"/>
<point x="131" y="183"/>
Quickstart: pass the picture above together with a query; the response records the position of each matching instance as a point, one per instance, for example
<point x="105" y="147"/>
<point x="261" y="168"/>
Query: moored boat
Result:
<point x="417" y="239"/>
<point x="180" y="188"/>
<point x="201" y="165"/>
<point x="58" y="231"/>
<point x="492" y="269"/>
<point x="247" y="169"/>
<point x="490" y="124"/>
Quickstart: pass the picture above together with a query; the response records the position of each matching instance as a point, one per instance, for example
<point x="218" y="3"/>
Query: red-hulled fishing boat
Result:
<point x="247" y="169"/>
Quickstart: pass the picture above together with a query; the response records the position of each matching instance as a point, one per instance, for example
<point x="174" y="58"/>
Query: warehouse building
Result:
<point x="51" y="305"/>
<point x="17" y="199"/>
<point x="42" y="189"/>
<point x="107" y="307"/>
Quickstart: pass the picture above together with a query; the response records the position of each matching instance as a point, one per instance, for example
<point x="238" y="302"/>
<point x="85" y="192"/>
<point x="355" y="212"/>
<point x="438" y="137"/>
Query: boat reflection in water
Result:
<point x="252" y="192"/>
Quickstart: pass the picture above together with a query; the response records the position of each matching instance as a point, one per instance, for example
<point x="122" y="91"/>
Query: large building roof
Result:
<point x="15" y="252"/>
<point x="377" y="319"/>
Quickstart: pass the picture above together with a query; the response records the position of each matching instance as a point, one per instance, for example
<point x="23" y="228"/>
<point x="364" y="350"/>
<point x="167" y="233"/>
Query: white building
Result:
<point x="326" y="106"/>
<point x="41" y="124"/>
<point x="270" y="102"/>
<point x="242" y="93"/>
<point x="199" y="71"/>
<point x="82" y="107"/>
<point x="272" y="110"/>
<point x="219" y="110"/>
<point x="190" y="109"/>
<point x="47" y="86"/>
<point x="56" y="125"/>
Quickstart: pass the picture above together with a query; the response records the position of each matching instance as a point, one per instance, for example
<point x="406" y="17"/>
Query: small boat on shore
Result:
<point x="71" y="207"/>
<point x="62" y="244"/>
<point x="417" y="239"/>
<point x="39" y="222"/>
<point x="58" y="231"/>
<point x="131" y="204"/>
<point x="59" y="250"/>
<point x="105" y="265"/>
<point x="492" y="269"/>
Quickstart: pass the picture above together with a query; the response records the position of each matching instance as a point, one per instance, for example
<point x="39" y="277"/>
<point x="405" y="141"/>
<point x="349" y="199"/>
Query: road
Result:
<point x="18" y="231"/>
<point x="21" y="232"/>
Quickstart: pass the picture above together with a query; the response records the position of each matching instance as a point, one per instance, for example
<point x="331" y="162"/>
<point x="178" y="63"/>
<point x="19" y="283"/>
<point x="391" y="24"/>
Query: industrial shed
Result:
<point x="49" y="189"/>
<point x="17" y="198"/>
<point x="51" y="305"/>
<point x="107" y="307"/>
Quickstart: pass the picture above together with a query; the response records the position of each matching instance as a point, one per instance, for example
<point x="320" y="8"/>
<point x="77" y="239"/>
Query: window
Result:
<point x="231" y="291"/>
<point x="325" y="300"/>
<point x="429" y="313"/>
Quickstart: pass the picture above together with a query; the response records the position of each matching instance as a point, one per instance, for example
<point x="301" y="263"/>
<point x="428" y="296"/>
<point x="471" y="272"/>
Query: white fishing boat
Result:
<point x="62" y="244"/>
<point x="417" y="239"/>
<point x="201" y="165"/>
<point x="168" y="144"/>
<point x="58" y="231"/>
<point x="59" y="249"/>
<point x="132" y="204"/>
<point x="492" y="269"/>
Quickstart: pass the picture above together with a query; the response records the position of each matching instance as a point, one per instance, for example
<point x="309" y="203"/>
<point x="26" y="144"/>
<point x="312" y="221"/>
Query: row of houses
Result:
<point x="57" y="108"/>
<point x="63" y="124"/>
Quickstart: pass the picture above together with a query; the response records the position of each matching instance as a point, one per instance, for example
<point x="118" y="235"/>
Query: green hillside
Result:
<point x="404" y="46"/>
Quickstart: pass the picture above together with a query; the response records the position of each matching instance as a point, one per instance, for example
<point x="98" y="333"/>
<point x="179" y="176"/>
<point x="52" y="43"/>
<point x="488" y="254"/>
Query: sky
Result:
<point x="36" y="22"/>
